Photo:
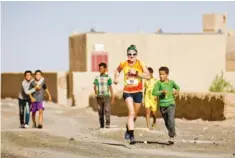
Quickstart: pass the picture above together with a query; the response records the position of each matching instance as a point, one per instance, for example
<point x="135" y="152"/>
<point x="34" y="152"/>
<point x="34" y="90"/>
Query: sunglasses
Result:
<point x="129" y="54"/>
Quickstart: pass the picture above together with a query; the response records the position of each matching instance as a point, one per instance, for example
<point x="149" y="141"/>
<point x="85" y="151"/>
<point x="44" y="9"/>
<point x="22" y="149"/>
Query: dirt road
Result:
<point x="74" y="133"/>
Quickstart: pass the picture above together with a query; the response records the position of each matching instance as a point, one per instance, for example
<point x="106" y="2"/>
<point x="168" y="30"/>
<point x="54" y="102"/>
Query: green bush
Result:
<point x="219" y="84"/>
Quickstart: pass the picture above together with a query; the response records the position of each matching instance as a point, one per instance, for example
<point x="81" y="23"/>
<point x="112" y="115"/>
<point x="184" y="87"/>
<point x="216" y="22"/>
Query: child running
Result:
<point x="37" y="99"/>
<point x="150" y="101"/>
<point x="24" y="100"/>
<point x="164" y="89"/>
<point x="102" y="87"/>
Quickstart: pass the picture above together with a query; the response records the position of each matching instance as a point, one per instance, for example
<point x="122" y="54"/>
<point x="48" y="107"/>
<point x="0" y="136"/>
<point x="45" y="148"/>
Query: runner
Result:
<point x="164" y="88"/>
<point x="150" y="101"/>
<point x="134" y="71"/>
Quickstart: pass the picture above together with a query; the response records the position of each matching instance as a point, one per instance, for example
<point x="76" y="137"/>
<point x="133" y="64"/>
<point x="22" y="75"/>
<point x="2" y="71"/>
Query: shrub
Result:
<point x="220" y="84"/>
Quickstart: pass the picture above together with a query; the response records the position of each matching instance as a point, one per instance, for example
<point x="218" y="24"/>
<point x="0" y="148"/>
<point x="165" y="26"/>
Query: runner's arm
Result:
<point x="156" y="91"/>
<point x="176" y="86"/>
<point x="117" y="72"/>
<point x="145" y="74"/>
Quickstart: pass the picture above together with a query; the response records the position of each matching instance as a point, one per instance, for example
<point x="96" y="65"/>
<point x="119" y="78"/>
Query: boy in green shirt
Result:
<point x="164" y="89"/>
<point x="103" y="88"/>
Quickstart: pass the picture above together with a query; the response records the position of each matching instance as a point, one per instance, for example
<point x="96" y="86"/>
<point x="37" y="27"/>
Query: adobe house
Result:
<point x="194" y="59"/>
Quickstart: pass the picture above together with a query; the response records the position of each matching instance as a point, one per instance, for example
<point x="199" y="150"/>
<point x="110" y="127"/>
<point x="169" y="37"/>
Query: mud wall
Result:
<point x="77" y="53"/>
<point x="56" y="82"/>
<point x="206" y="106"/>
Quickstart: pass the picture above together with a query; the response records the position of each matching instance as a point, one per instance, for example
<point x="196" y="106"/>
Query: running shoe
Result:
<point x="22" y="126"/>
<point x="40" y="126"/>
<point x="26" y="126"/>
<point x="171" y="140"/>
<point x="153" y="126"/>
<point x="127" y="135"/>
<point x="132" y="140"/>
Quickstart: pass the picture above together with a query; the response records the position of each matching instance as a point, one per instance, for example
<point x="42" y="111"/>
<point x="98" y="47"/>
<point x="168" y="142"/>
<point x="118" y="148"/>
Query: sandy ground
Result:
<point x="74" y="133"/>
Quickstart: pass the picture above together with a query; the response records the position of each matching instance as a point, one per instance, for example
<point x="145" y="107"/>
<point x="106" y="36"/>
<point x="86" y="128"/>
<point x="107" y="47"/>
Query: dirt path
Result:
<point x="195" y="138"/>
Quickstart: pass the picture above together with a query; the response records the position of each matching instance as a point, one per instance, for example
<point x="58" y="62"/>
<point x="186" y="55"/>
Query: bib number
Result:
<point x="132" y="81"/>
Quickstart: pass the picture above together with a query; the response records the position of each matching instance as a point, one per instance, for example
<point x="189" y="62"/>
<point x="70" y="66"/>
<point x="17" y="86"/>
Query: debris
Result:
<point x="215" y="143"/>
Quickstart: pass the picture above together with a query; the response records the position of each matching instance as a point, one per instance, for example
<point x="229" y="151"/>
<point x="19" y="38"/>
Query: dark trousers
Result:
<point x="104" y="109"/>
<point x="168" y="114"/>
<point x="24" y="111"/>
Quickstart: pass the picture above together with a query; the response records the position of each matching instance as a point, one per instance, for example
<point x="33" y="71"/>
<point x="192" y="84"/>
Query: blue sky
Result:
<point x="35" y="34"/>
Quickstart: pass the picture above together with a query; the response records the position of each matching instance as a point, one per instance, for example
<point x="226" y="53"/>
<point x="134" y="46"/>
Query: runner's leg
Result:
<point x="148" y="117"/>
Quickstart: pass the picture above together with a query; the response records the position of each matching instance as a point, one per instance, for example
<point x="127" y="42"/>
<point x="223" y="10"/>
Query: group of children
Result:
<point x="31" y="98"/>
<point x="162" y="90"/>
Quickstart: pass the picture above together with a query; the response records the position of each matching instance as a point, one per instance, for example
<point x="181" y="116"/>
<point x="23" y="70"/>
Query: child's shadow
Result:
<point x="154" y="142"/>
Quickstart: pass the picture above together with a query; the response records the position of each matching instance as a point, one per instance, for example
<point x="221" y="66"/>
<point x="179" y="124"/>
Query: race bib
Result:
<point x="132" y="81"/>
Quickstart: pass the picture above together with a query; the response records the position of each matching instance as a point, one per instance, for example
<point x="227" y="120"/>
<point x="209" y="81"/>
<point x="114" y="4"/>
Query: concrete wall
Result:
<point x="206" y="106"/>
<point x="230" y="54"/>
<point x="56" y="82"/>
<point x="192" y="58"/>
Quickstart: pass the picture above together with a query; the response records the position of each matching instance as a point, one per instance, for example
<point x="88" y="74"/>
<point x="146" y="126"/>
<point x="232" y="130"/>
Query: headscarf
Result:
<point x="132" y="47"/>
